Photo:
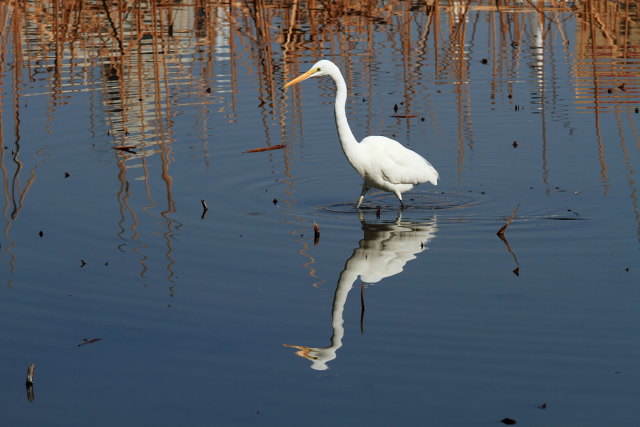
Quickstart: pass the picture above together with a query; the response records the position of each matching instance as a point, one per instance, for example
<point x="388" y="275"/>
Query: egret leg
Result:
<point x="399" y="196"/>
<point x="365" y="188"/>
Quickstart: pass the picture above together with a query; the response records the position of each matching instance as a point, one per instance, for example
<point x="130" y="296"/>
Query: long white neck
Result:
<point x="347" y="140"/>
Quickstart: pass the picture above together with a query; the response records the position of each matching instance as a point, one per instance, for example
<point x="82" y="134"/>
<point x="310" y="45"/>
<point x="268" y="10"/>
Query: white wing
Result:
<point x="395" y="163"/>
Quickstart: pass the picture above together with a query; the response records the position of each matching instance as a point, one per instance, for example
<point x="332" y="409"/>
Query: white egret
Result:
<point x="382" y="162"/>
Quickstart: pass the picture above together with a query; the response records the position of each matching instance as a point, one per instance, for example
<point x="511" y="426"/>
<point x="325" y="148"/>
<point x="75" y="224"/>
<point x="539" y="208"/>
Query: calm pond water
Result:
<point x="140" y="308"/>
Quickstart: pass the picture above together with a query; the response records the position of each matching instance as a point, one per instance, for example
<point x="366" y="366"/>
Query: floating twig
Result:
<point x="204" y="208"/>
<point x="125" y="148"/>
<point x="258" y="150"/>
<point x="504" y="227"/>
<point x="86" y="341"/>
<point x="30" y="371"/>
<point x="29" y="382"/>
<point x="316" y="233"/>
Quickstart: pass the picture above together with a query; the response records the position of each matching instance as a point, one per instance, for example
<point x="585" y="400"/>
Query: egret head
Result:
<point x="320" y="68"/>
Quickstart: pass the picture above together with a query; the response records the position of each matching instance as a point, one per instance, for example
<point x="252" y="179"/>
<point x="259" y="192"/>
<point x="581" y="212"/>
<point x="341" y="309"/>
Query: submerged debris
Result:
<point x="504" y="227"/>
<point x="86" y="341"/>
<point x="204" y="208"/>
<point x="31" y="397"/>
<point x="125" y="148"/>
<point x="30" y="371"/>
<point x="258" y="150"/>
<point x="316" y="233"/>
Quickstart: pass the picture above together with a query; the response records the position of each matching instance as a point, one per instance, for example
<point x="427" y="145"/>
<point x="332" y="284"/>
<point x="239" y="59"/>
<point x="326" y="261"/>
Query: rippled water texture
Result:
<point x="179" y="243"/>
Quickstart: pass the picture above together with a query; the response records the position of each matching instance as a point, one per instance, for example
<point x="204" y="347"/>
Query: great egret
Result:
<point x="382" y="162"/>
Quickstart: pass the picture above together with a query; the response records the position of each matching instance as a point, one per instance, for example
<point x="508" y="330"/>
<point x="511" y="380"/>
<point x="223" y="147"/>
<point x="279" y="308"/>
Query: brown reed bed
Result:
<point x="132" y="53"/>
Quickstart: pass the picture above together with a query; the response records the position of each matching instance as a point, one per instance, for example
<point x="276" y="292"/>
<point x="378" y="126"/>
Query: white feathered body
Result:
<point x="382" y="162"/>
<point x="387" y="165"/>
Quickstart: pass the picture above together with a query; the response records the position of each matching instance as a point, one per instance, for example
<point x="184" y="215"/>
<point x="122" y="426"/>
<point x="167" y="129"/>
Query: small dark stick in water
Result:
<point x="316" y="233"/>
<point x="204" y="208"/>
<point x="86" y="341"/>
<point x="31" y="397"/>
<point x="504" y="227"/>
<point x="30" y="371"/>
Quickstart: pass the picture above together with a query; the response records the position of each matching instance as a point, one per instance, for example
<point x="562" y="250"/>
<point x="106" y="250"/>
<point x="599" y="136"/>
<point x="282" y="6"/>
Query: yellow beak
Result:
<point x="303" y="351"/>
<point x="300" y="78"/>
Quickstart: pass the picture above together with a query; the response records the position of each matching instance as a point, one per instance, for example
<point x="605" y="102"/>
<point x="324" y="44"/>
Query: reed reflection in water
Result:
<point x="383" y="251"/>
<point x="139" y="63"/>
<point x="144" y="63"/>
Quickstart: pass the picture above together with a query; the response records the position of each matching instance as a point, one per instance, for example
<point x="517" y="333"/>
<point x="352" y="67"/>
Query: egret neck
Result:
<point x="347" y="140"/>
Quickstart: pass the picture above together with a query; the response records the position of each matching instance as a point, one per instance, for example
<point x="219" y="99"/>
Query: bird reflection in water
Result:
<point x="383" y="252"/>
